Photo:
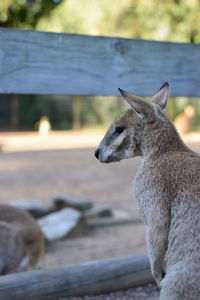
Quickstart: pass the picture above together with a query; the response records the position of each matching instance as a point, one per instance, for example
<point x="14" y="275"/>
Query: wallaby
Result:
<point x="167" y="189"/>
<point x="22" y="244"/>
<point x="183" y="121"/>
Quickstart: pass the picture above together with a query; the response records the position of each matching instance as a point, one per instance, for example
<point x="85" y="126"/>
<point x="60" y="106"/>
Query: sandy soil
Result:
<point x="76" y="173"/>
<point x="149" y="292"/>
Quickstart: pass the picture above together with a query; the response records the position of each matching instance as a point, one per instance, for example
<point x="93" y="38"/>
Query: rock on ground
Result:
<point x="36" y="208"/>
<point x="118" y="217"/>
<point x="63" y="201"/>
<point x="59" y="224"/>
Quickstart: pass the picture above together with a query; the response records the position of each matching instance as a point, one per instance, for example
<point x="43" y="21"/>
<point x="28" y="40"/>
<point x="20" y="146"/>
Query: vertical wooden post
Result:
<point x="76" y="111"/>
<point x="14" y="109"/>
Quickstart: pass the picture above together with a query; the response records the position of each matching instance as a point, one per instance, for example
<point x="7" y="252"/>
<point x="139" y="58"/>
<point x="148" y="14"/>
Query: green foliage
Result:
<point x="25" y="13"/>
<point x="100" y="110"/>
<point x="173" y="20"/>
<point x="57" y="108"/>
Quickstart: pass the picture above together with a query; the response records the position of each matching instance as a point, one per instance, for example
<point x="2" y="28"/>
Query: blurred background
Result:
<point x="174" y="20"/>
<point x="47" y="141"/>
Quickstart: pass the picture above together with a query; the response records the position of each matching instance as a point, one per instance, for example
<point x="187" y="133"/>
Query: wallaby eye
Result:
<point x="119" y="129"/>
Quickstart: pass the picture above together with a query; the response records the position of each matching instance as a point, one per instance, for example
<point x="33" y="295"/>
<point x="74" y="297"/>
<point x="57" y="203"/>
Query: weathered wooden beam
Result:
<point x="77" y="280"/>
<point x="34" y="62"/>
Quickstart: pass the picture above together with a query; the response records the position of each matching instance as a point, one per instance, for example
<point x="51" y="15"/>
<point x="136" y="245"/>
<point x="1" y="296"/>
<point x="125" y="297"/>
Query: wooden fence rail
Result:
<point x="91" y="278"/>
<point x="33" y="62"/>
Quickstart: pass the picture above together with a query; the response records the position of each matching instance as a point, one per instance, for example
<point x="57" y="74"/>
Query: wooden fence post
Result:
<point x="76" y="112"/>
<point x="14" y="109"/>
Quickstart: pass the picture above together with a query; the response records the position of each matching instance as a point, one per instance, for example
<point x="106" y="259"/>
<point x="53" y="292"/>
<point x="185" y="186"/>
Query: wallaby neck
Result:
<point x="161" y="140"/>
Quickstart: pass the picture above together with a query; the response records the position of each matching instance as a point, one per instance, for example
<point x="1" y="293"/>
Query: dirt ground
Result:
<point x="76" y="173"/>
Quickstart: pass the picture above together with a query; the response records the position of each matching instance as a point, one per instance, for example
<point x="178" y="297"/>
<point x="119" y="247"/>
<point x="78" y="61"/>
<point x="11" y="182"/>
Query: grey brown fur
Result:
<point x="167" y="189"/>
<point x="22" y="242"/>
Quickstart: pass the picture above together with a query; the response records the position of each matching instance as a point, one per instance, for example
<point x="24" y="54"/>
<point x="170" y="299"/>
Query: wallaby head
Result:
<point x="125" y="137"/>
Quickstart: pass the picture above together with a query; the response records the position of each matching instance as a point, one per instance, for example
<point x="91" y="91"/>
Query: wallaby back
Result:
<point x="22" y="243"/>
<point x="167" y="189"/>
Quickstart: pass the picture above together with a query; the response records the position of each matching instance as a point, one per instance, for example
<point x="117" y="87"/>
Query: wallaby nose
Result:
<point x="96" y="153"/>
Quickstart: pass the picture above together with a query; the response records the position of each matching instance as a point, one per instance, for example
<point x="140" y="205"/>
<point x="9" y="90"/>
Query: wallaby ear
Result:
<point x="162" y="95"/>
<point x="141" y="108"/>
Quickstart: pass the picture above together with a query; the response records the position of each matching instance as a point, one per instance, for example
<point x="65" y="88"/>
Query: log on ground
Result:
<point x="92" y="278"/>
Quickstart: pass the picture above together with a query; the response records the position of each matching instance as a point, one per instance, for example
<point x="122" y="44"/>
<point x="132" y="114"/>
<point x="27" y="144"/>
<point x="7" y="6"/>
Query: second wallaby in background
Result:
<point x="167" y="189"/>
<point x="21" y="241"/>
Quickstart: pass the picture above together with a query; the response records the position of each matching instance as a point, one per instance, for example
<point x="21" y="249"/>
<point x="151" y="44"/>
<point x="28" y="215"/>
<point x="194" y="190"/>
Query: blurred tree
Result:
<point x="172" y="20"/>
<point x="33" y="107"/>
<point x="25" y="13"/>
<point x="98" y="110"/>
